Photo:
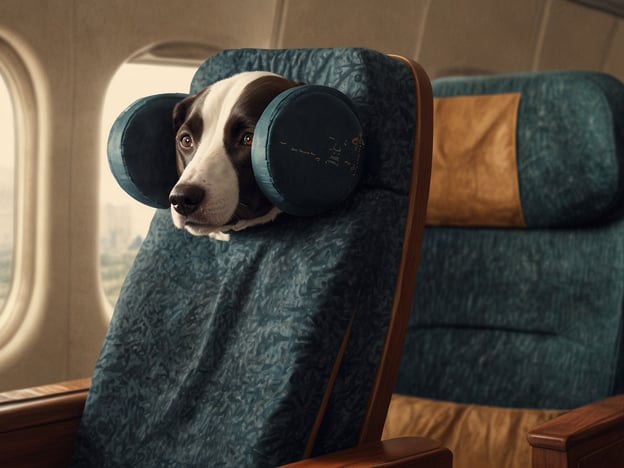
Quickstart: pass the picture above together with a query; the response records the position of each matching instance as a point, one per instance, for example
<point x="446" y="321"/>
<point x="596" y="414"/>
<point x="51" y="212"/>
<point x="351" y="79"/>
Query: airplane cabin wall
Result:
<point x="72" y="48"/>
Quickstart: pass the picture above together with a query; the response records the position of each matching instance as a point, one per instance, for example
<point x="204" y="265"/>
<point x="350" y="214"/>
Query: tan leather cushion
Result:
<point x="478" y="436"/>
<point x="474" y="174"/>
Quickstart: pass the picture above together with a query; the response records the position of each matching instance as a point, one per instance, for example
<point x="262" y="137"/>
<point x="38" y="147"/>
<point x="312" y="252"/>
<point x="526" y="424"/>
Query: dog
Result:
<point x="216" y="191"/>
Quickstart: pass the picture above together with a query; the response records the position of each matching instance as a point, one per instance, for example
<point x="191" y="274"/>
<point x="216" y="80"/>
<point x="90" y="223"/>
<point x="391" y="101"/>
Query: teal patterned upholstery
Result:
<point x="218" y="353"/>
<point x="532" y="317"/>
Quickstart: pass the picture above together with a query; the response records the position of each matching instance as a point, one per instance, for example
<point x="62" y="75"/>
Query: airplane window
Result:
<point x="7" y="176"/>
<point x="123" y="221"/>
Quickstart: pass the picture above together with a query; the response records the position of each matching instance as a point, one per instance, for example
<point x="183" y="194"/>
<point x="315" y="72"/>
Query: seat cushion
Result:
<point x="479" y="436"/>
<point x="516" y="317"/>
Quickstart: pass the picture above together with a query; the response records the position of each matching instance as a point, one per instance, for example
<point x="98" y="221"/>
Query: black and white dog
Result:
<point x="217" y="191"/>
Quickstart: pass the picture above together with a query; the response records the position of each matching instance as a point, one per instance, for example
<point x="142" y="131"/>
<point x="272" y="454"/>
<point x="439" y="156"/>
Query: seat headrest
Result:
<point x="541" y="149"/>
<point x="141" y="145"/>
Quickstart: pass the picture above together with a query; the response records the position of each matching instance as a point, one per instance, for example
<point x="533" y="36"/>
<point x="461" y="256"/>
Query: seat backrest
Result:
<point x="520" y="290"/>
<point x="233" y="353"/>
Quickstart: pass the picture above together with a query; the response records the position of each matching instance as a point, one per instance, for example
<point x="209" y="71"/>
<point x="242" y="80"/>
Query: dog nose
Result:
<point x="185" y="198"/>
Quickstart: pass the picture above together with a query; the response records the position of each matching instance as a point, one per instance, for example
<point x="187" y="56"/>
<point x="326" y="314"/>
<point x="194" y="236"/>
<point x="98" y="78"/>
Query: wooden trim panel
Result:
<point x="589" y="436"/>
<point x="38" y="425"/>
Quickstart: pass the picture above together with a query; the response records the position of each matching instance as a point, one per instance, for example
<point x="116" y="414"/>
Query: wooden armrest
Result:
<point x="592" y="435"/>
<point x="38" y="428"/>
<point x="414" y="452"/>
<point x="38" y="425"/>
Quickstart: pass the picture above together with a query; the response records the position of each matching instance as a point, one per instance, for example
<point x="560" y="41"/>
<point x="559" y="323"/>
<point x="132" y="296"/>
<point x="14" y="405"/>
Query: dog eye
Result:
<point x="186" y="141"/>
<point x="247" y="139"/>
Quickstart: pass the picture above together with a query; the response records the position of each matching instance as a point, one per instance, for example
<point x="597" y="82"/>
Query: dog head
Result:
<point x="216" y="190"/>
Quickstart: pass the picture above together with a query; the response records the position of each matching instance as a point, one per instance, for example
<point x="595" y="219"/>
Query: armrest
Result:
<point x="415" y="452"/>
<point x="38" y="425"/>
<point x="592" y="435"/>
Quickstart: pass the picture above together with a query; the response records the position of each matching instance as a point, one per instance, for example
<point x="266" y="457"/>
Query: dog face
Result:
<point x="217" y="190"/>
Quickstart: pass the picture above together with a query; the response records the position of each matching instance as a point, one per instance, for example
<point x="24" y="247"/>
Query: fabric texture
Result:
<point x="218" y="353"/>
<point x="474" y="174"/>
<point x="517" y="317"/>
<point x="531" y="317"/>
<point x="479" y="436"/>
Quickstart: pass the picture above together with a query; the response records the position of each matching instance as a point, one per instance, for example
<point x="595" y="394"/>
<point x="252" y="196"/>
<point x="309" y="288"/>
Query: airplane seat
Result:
<point x="517" y="316"/>
<point x="266" y="348"/>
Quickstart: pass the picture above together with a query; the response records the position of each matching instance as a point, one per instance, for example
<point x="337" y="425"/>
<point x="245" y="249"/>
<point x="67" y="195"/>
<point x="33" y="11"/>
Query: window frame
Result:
<point x="11" y="111"/>
<point x="18" y="74"/>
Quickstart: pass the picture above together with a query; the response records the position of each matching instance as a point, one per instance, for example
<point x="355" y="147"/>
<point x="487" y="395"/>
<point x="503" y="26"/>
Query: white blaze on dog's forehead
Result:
<point x="217" y="105"/>
<point x="224" y="95"/>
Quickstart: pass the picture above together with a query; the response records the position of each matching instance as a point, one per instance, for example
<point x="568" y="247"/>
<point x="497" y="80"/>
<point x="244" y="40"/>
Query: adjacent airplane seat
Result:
<point x="283" y="341"/>
<point x="517" y="315"/>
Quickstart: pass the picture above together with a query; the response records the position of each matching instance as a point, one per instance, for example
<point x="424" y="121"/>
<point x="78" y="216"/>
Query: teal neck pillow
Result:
<point x="307" y="151"/>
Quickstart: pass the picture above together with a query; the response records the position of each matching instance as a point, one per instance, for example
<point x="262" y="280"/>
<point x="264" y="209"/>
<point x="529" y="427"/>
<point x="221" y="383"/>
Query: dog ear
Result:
<point x="180" y="111"/>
